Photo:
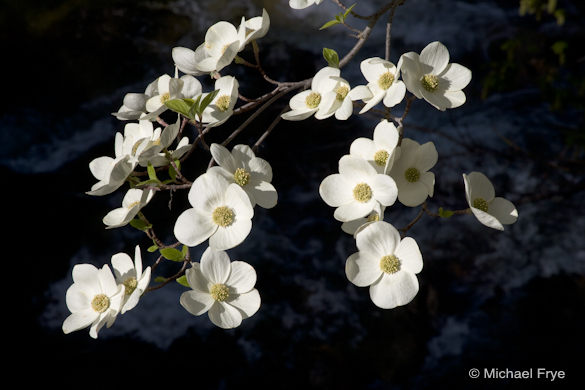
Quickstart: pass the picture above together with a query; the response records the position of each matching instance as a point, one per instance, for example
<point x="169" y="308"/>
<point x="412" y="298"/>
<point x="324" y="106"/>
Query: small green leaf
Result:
<point x="185" y="251"/>
<point x="140" y="224"/>
<point x="445" y="213"/>
<point x="331" y="57"/>
<point x="329" y="24"/>
<point x="172" y="254"/>
<point x="151" y="172"/>
<point x="160" y="279"/>
<point x="179" y="105"/>
<point x="147" y="182"/>
<point x="172" y="172"/>
<point x="152" y="248"/>
<point x="348" y="11"/>
<point x="183" y="281"/>
<point x="194" y="108"/>
<point x="207" y="100"/>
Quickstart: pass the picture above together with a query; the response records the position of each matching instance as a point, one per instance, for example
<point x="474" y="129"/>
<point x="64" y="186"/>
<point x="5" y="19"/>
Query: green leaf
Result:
<point x="172" y="254"/>
<point x="152" y="172"/>
<point x="331" y="57"/>
<point x="179" y="105"/>
<point x="183" y="281"/>
<point x="140" y="224"/>
<point x="445" y="213"/>
<point x="185" y="251"/>
<point x="194" y="107"/>
<point x="207" y="100"/>
<point x="160" y="279"/>
<point x="348" y="11"/>
<point x="152" y="248"/>
<point x="329" y="24"/>
<point x="172" y="172"/>
<point x="146" y="182"/>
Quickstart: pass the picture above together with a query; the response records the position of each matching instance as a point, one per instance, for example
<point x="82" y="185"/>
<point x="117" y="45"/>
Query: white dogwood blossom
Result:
<point x="385" y="263"/>
<point x="380" y="151"/>
<point x="252" y="173"/>
<point x="94" y="299"/>
<point x="355" y="226"/>
<point x="411" y="172"/>
<point x="129" y="274"/>
<point x="222" y="105"/>
<point x="221" y="212"/>
<point x="382" y="77"/>
<point x="320" y="100"/>
<point x="254" y="28"/>
<point x="169" y="88"/>
<point x="111" y="172"/>
<point x="430" y="76"/>
<point x="300" y="4"/>
<point x="357" y="189"/>
<point x="134" y="104"/>
<point x="492" y="211"/>
<point x="133" y="201"/>
<point x="222" y="289"/>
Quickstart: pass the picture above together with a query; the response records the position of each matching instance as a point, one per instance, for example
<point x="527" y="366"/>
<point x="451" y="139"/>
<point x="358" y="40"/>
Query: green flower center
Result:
<point x="223" y="216"/>
<point x="223" y="103"/>
<point x="313" y="100"/>
<point x="130" y="285"/>
<point x="412" y="175"/>
<point x="165" y="97"/>
<point x="341" y="92"/>
<point x="390" y="264"/>
<point x="241" y="176"/>
<point x="219" y="292"/>
<point x="362" y="192"/>
<point x="430" y="82"/>
<point x="100" y="303"/>
<point x="386" y="80"/>
<point x="381" y="157"/>
<point x="481" y="204"/>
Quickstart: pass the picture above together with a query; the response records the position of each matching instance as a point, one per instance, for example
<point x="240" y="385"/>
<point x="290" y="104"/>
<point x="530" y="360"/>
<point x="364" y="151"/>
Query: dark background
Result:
<point x="487" y="299"/>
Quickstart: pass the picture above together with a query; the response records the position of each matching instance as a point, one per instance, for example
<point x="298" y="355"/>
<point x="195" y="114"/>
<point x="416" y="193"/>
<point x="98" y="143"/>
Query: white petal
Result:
<point x="455" y="98"/>
<point x="355" y="169"/>
<point x="321" y="81"/>
<point x="196" y="302"/>
<point x="436" y="98"/>
<point x="384" y="189"/>
<point x="191" y="86"/>
<point x="426" y="156"/>
<point x="503" y="210"/>
<point x="261" y="167"/>
<point x="379" y="238"/>
<point x="264" y="194"/>
<point x="394" y="290"/>
<point x="77" y="298"/>
<point x="193" y="227"/>
<point x="228" y="237"/>
<point x="196" y="279"/>
<point x="298" y="115"/>
<point x="436" y="55"/>
<point x="409" y="254"/>
<point x="377" y="97"/>
<point x="428" y="179"/>
<point x="456" y="76"/>
<point x="223" y="157"/>
<point x="353" y="210"/>
<point x="360" y="92"/>
<point x="412" y="194"/>
<point x="242" y="277"/>
<point x="237" y="199"/>
<point x="248" y="303"/>
<point x="345" y="110"/>
<point x="208" y="191"/>
<point x="363" y="269"/>
<point x="224" y="315"/>
<point x="386" y="135"/>
<point x="123" y="266"/>
<point x="79" y="320"/>
<point x="487" y="219"/>
<point x="364" y="148"/>
<point x="335" y="190"/>
<point x="480" y="187"/>
<point x="394" y="94"/>
<point x="185" y="60"/>
<point x="215" y="265"/>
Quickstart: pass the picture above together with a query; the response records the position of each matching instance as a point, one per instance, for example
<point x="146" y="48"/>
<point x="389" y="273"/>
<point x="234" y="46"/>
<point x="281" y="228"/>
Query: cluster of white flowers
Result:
<point x="223" y="198"/>
<point x="97" y="296"/>
<point x="371" y="177"/>
<point x="378" y="171"/>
